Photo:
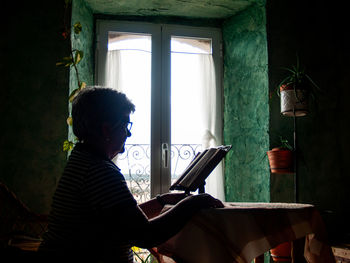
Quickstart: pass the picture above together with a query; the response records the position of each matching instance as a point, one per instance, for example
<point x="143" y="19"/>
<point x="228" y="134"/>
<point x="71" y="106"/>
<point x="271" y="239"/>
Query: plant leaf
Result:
<point x="82" y="85"/>
<point x="67" y="145"/>
<point x="292" y="70"/>
<point x="312" y="82"/>
<point x="285" y="81"/>
<point x="59" y="63"/>
<point x="77" y="28"/>
<point x="66" y="61"/>
<point x="78" y="56"/>
<point x="148" y="258"/>
<point x="73" y="94"/>
<point x="70" y="121"/>
<point x="285" y="144"/>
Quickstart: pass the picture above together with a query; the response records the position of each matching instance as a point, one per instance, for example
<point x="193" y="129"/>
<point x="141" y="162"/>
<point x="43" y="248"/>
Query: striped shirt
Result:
<point x="90" y="186"/>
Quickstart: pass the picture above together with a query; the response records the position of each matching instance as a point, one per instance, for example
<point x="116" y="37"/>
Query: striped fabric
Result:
<point x="89" y="186"/>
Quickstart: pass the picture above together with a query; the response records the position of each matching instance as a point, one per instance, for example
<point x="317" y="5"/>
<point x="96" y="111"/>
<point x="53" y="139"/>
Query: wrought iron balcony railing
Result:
<point x="135" y="165"/>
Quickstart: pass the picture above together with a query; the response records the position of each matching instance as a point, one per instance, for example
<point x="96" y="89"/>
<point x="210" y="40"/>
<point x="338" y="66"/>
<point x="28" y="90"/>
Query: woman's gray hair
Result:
<point x="96" y="105"/>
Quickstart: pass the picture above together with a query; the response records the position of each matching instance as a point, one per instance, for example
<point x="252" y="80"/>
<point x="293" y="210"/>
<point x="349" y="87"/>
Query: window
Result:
<point x="173" y="76"/>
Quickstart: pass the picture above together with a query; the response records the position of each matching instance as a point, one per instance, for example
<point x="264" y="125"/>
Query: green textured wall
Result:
<point x="84" y="42"/>
<point x="33" y="100"/>
<point x="171" y="8"/>
<point x="246" y="108"/>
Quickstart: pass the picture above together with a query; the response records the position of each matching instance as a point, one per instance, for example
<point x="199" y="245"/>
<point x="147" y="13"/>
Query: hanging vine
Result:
<point x="72" y="60"/>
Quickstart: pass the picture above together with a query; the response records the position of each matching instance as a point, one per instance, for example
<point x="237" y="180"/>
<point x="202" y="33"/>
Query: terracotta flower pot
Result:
<point x="294" y="99"/>
<point x="281" y="160"/>
<point x="282" y="253"/>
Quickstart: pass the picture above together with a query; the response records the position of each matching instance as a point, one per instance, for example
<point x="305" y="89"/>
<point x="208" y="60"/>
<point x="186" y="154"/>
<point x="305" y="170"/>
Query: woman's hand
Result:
<point x="201" y="200"/>
<point x="153" y="207"/>
<point x="205" y="201"/>
<point x="171" y="198"/>
<point x="162" y="226"/>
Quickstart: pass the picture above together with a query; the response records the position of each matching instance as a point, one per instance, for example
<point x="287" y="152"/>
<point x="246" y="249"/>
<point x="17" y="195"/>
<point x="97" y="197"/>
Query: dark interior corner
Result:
<point x="316" y="32"/>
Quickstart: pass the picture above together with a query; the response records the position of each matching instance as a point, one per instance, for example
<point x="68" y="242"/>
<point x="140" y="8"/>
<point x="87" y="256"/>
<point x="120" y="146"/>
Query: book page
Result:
<point x="199" y="178"/>
<point x="198" y="167"/>
<point x="188" y="168"/>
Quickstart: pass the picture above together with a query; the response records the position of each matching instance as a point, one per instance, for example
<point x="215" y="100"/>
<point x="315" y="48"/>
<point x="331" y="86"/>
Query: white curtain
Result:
<point x="113" y="74"/>
<point x="212" y="122"/>
<point x="210" y="108"/>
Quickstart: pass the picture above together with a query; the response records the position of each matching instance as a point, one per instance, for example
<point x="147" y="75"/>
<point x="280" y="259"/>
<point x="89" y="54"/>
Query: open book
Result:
<point x="198" y="170"/>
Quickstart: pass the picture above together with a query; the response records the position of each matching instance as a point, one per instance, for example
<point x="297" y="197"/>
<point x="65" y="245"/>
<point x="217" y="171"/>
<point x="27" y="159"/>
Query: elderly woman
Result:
<point x="94" y="217"/>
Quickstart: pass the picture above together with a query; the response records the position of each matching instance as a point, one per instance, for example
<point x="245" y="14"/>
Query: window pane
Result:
<point x="190" y="62"/>
<point x="124" y="41"/>
<point x="191" y="45"/>
<point x="129" y="71"/>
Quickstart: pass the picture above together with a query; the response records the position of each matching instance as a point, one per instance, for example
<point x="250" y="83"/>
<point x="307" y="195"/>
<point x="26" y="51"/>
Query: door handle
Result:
<point x="165" y="155"/>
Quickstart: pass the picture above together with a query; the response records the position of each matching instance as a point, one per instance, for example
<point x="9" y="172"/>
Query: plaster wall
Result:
<point x="83" y="42"/>
<point x="246" y="101"/>
<point x="318" y="33"/>
<point x="246" y="107"/>
<point x="33" y="100"/>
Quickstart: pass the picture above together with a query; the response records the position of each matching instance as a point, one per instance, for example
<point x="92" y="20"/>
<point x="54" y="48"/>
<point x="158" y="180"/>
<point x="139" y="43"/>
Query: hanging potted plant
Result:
<point x="294" y="91"/>
<point x="281" y="158"/>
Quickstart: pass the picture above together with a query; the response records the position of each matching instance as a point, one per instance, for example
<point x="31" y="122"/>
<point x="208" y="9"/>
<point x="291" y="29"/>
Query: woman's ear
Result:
<point x="106" y="131"/>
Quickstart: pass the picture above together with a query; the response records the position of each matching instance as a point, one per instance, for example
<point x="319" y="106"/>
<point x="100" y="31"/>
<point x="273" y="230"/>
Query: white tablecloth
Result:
<point x="242" y="231"/>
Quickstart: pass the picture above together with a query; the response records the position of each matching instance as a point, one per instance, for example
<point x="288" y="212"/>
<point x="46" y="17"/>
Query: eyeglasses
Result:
<point x="128" y="126"/>
<point x="125" y="125"/>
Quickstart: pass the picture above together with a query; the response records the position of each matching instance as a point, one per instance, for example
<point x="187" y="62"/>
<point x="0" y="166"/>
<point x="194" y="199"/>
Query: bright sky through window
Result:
<point x="186" y="79"/>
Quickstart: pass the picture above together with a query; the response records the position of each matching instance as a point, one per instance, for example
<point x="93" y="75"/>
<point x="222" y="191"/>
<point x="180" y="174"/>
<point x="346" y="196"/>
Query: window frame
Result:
<point x="160" y="81"/>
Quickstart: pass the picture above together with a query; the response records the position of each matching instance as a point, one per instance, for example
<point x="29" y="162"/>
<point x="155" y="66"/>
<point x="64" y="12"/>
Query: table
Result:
<point x="341" y="253"/>
<point x="240" y="232"/>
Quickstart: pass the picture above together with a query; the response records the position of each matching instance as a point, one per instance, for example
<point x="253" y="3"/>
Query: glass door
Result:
<point x="129" y="60"/>
<point x="192" y="71"/>
<point x="128" y="69"/>
<point x="171" y="75"/>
